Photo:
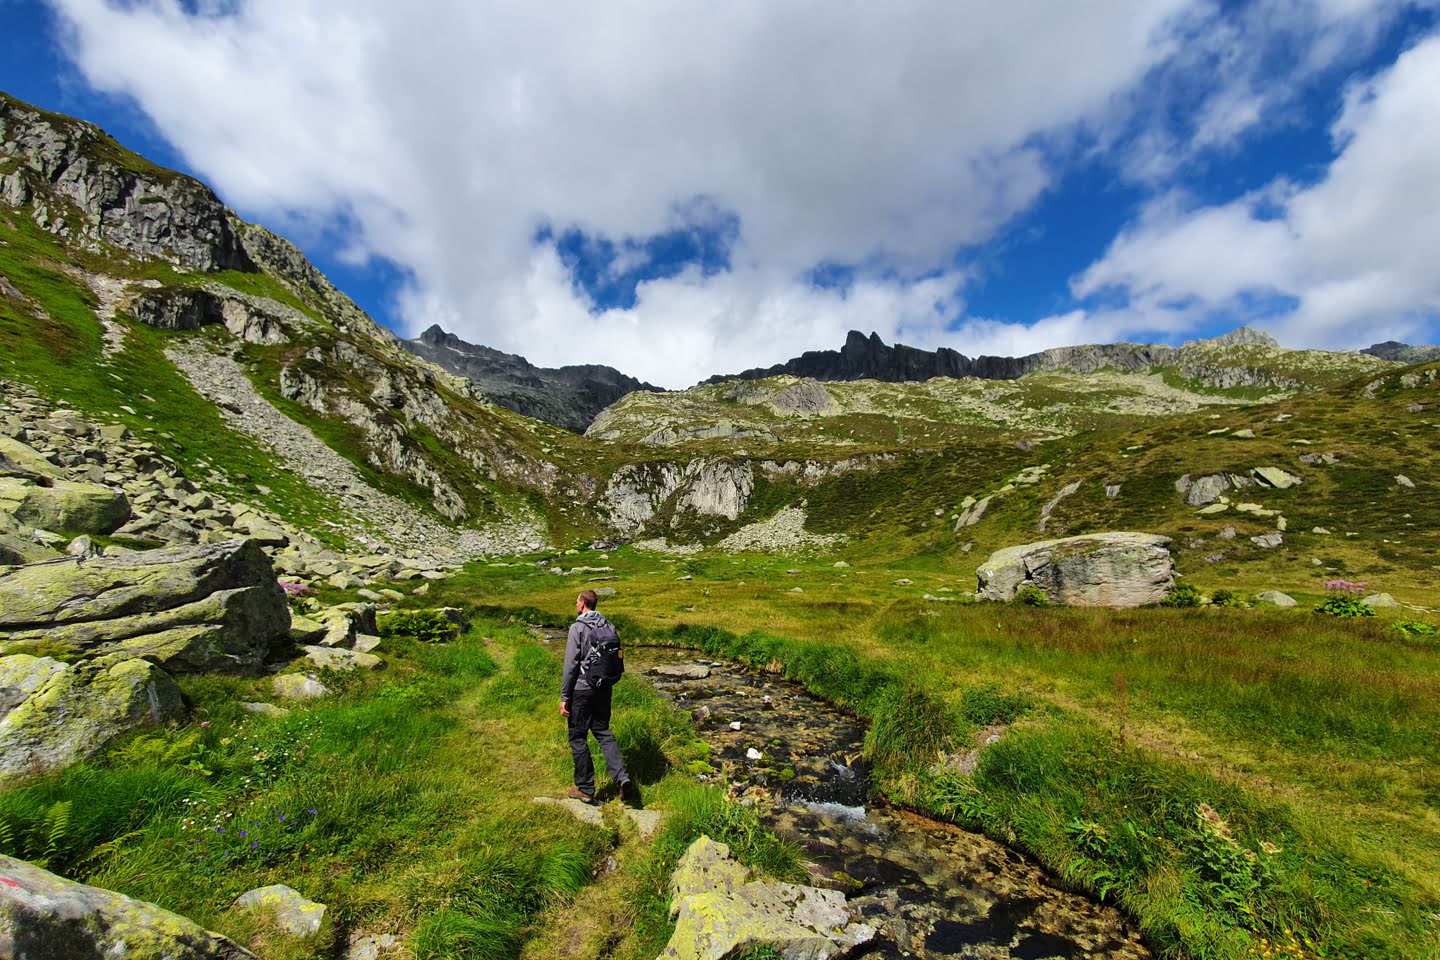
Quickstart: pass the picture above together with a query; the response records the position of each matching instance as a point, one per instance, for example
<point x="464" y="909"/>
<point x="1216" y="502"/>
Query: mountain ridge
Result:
<point x="570" y="396"/>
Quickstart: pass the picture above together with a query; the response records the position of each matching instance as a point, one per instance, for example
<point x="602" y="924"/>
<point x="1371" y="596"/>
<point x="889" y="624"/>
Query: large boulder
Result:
<point x="58" y="713"/>
<point x="189" y="609"/>
<point x="45" y="917"/>
<point x="65" y="505"/>
<point x="1114" y="569"/>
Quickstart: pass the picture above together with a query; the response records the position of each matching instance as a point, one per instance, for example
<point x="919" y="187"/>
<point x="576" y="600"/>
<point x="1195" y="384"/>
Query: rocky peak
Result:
<point x="81" y="184"/>
<point x="569" y="396"/>
<point x="1403" y="352"/>
<point x="1240" y="336"/>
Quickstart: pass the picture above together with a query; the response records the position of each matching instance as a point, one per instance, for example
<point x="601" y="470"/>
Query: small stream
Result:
<point x="933" y="889"/>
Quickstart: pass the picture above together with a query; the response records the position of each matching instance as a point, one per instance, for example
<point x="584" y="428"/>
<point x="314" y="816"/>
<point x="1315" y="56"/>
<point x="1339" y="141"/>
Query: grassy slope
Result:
<point x="1315" y="735"/>
<point x="403" y="804"/>
<point x="55" y="343"/>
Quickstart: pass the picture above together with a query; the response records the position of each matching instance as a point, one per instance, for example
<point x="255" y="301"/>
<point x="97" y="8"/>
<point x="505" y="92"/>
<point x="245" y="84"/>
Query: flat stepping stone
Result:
<point x="646" y="822"/>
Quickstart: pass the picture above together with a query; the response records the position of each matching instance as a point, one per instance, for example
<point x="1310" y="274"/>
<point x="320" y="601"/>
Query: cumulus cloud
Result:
<point x="1342" y="263"/>
<point x="447" y="136"/>
<point x="450" y="132"/>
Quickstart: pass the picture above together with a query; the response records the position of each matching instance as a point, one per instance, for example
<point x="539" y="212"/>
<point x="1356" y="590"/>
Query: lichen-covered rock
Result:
<point x="705" y="867"/>
<point x="293" y="913"/>
<point x="299" y="686"/>
<point x="1203" y="491"/>
<point x="719" y="914"/>
<point x="65" y="505"/>
<point x="338" y="658"/>
<point x="67" y="714"/>
<point x="1276" y="598"/>
<point x="45" y="917"/>
<point x="1113" y="569"/>
<point x="194" y="608"/>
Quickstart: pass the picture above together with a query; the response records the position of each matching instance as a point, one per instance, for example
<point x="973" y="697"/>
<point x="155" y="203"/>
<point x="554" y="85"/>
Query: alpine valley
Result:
<point x="1122" y="649"/>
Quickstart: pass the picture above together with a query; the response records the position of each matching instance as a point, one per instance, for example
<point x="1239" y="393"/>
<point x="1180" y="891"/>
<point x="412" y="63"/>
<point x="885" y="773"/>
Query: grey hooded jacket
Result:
<point x="576" y="646"/>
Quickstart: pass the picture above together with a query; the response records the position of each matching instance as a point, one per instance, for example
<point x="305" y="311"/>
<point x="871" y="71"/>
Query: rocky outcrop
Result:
<point x="222" y="380"/>
<point x="1403" y="352"/>
<point x="55" y="713"/>
<point x="252" y="319"/>
<point x="869" y="358"/>
<point x="720" y="912"/>
<point x="568" y="397"/>
<point x="85" y="186"/>
<point x="201" y="608"/>
<point x="1095" y="570"/>
<point x="708" y="487"/>
<point x="1242" y="357"/>
<point x="43" y="916"/>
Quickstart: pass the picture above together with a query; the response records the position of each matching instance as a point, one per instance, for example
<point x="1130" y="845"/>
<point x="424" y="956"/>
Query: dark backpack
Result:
<point x="603" y="662"/>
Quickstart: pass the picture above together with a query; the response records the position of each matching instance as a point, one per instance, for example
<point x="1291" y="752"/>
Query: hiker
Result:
<point x="593" y="663"/>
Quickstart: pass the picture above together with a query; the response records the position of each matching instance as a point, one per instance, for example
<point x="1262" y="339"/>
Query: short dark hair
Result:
<point x="589" y="598"/>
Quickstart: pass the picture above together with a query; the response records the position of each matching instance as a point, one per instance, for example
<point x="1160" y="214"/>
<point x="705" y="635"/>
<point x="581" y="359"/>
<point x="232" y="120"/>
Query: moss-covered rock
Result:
<point x="65" y="505"/>
<point x="70" y="713"/>
<point x="18" y="550"/>
<point x="204" y="608"/>
<point x="43" y="916"/>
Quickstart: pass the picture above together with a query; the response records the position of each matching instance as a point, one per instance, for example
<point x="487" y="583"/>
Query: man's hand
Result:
<point x="564" y="708"/>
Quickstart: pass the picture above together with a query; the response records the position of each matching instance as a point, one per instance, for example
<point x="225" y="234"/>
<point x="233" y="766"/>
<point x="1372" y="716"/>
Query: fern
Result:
<point x="7" y="836"/>
<point x="53" y="829"/>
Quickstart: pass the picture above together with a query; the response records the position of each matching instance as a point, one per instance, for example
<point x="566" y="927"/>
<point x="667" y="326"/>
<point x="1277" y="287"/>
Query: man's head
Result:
<point x="586" y="601"/>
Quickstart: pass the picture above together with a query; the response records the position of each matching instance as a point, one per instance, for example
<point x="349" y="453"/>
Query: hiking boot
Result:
<point x="629" y="793"/>
<point x="575" y="793"/>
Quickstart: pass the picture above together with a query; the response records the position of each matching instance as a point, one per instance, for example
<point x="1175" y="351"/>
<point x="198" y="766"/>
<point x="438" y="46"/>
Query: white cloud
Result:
<point x="450" y="131"/>
<point x="1355" y="251"/>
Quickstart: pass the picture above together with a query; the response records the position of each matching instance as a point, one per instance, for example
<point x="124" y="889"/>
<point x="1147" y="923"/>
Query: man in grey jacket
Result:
<point x="587" y="707"/>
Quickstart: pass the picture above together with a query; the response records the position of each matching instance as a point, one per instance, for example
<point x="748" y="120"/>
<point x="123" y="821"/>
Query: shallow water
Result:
<point x="933" y="890"/>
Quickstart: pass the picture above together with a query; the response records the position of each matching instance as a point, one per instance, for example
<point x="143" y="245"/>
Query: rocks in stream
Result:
<point x="681" y="671"/>
<point x="720" y="912"/>
<point x="43" y="916"/>
<point x="1114" y="569"/>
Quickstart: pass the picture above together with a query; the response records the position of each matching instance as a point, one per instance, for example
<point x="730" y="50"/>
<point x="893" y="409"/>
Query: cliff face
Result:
<point x="88" y="189"/>
<point x="568" y="397"/>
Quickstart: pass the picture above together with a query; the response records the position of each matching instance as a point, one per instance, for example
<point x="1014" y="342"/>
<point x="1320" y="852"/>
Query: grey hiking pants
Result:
<point x="590" y="713"/>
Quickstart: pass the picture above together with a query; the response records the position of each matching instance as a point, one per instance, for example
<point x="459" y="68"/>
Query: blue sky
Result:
<point x="701" y="190"/>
